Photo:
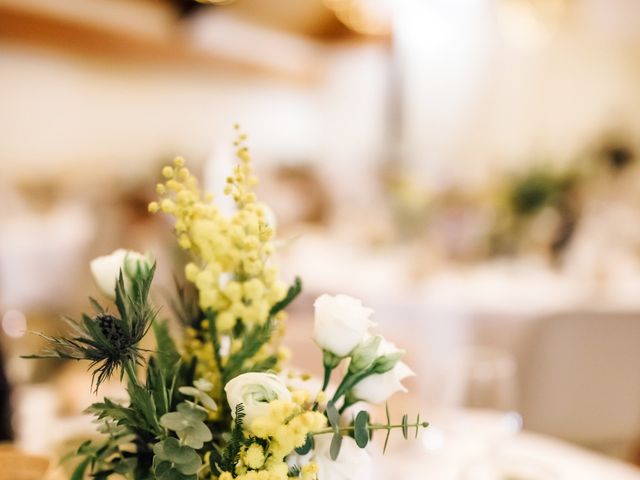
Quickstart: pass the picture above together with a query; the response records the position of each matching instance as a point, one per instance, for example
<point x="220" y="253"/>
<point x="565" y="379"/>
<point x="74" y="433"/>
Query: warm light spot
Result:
<point x="14" y="323"/>
<point x="432" y="439"/>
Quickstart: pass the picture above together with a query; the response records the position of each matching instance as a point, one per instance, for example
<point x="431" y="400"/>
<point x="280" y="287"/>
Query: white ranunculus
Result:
<point x="353" y="462"/>
<point x="255" y="390"/>
<point x="378" y="387"/>
<point x="341" y="323"/>
<point x="105" y="269"/>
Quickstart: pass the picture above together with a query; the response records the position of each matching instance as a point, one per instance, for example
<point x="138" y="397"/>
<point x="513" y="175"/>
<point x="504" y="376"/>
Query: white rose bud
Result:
<point x="378" y="387"/>
<point x="341" y="323"/>
<point x="105" y="270"/>
<point x="352" y="463"/>
<point x="255" y="391"/>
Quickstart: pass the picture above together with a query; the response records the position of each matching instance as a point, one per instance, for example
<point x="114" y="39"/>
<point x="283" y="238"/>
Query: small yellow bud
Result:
<point x="160" y="189"/>
<point x="154" y="207"/>
<point x="225" y="321"/>
<point x="254" y="456"/>
<point x="167" y="205"/>
<point x="183" y="197"/>
<point x="233" y="291"/>
<point x="167" y="172"/>
<point x="183" y="173"/>
<point x="243" y="154"/>
<point x="184" y="241"/>
<point x="178" y="161"/>
<point x="191" y="272"/>
<point x="174" y="186"/>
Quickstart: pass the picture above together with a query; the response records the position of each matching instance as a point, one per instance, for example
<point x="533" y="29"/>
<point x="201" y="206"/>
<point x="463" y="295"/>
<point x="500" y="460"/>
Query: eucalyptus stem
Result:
<point x="377" y="426"/>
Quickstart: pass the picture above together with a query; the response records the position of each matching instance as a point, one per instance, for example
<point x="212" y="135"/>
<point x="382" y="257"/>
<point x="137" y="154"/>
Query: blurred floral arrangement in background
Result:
<point x="539" y="206"/>
<point x="217" y="401"/>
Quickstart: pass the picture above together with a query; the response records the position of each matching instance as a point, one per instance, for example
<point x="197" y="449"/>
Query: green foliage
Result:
<point x="226" y="460"/>
<point x="333" y="416"/>
<point x="294" y="471"/>
<point x="252" y="343"/>
<point x="336" y="444"/>
<point x="185" y="305"/>
<point x="361" y="429"/>
<point x="308" y="445"/>
<point x="292" y="293"/>
<point x="172" y="459"/>
<point x="538" y="188"/>
<point x="166" y="352"/>
<point x="188" y="423"/>
<point x="143" y="404"/>
<point x="199" y="396"/>
<point x="108" y="457"/>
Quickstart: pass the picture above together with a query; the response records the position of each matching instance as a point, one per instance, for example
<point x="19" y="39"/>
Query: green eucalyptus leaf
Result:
<point x="405" y="428"/>
<point x="336" y="444"/>
<point x="196" y="435"/>
<point x="333" y="415"/>
<point x="126" y="465"/>
<point x="174" y="421"/>
<point x="307" y="446"/>
<point x="191" y="467"/>
<point x="160" y="468"/>
<point x="183" y="457"/>
<point x="177" y="453"/>
<point x="192" y="411"/>
<point x="361" y="430"/>
<point x="200" y="396"/>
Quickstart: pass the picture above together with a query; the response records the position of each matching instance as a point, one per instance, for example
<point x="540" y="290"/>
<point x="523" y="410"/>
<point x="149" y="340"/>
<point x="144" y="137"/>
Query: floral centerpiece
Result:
<point x="214" y="403"/>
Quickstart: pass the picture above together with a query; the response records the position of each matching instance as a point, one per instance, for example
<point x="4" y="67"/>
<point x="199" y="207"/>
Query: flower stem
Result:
<point x="327" y="377"/>
<point x="131" y="373"/>
<point x="377" y="426"/>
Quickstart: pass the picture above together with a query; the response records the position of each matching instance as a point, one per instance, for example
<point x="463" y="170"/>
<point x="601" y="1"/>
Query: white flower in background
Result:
<point x="353" y="462"/>
<point x="255" y="391"/>
<point x="341" y="323"/>
<point x="378" y="387"/>
<point x="269" y="216"/>
<point x="105" y="269"/>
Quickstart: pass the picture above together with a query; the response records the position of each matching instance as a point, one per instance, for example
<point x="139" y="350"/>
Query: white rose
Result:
<point x="353" y="462"/>
<point x="255" y="391"/>
<point x="378" y="387"/>
<point x="341" y="323"/>
<point x="105" y="270"/>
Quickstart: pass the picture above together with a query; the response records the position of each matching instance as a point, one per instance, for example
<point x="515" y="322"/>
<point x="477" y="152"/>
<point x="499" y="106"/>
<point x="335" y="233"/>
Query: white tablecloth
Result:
<point x="468" y="445"/>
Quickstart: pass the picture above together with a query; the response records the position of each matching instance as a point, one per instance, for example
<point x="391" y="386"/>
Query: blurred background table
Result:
<point x="485" y="445"/>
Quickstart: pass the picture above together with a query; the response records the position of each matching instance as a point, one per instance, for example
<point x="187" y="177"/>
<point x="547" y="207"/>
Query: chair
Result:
<point x="580" y="379"/>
